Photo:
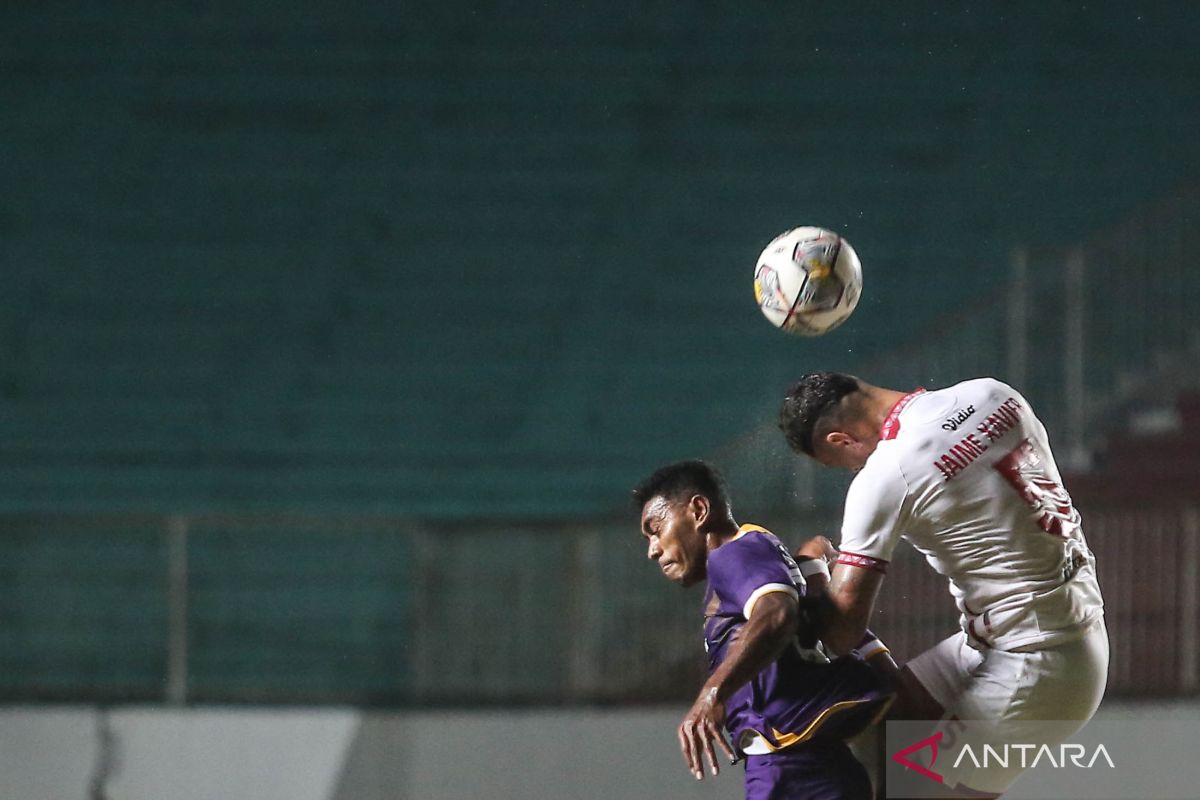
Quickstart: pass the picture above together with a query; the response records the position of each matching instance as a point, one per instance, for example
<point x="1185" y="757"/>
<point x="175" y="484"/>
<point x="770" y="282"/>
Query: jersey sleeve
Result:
<point x="875" y="509"/>
<point x="745" y="570"/>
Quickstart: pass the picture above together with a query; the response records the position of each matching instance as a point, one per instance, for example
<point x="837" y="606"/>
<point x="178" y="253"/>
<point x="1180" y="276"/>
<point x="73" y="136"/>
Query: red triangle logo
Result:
<point x="931" y="742"/>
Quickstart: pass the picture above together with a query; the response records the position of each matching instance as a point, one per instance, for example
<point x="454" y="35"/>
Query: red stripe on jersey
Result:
<point x="891" y="423"/>
<point x="976" y="635"/>
<point x="863" y="562"/>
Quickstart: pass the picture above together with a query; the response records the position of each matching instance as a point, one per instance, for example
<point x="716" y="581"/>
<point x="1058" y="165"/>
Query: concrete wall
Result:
<point x="346" y="754"/>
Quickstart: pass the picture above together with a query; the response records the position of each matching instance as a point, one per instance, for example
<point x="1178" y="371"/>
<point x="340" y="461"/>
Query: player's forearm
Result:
<point x="760" y="642"/>
<point x="819" y="609"/>
<point x="843" y="612"/>
<point x="838" y="628"/>
<point x="816" y="576"/>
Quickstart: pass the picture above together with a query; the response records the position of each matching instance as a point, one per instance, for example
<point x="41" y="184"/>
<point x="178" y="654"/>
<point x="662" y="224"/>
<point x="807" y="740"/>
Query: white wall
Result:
<point x="167" y="755"/>
<point x="345" y="754"/>
<point x="342" y="754"/>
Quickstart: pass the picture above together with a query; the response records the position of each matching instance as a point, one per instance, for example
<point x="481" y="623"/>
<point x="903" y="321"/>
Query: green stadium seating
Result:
<point x="490" y="263"/>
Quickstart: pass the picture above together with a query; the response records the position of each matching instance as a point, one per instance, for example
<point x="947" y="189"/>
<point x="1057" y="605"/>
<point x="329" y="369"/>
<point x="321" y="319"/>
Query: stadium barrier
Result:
<point x="387" y="612"/>
<point x="333" y="753"/>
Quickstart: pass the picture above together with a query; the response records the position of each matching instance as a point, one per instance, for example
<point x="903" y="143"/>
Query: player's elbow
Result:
<point x="842" y="638"/>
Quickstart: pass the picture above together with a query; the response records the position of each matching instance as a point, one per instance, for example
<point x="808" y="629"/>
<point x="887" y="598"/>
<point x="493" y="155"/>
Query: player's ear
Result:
<point x="700" y="508"/>
<point x="839" y="439"/>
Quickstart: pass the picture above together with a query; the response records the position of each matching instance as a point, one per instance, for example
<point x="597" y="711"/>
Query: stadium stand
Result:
<point x="1155" y="461"/>
<point x="475" y="265"/>
<point x="332" y="260"/>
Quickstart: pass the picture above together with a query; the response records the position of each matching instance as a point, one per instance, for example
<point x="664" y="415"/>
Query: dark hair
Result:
<point x="681" y="481"/>
<point x="813" y="397"/>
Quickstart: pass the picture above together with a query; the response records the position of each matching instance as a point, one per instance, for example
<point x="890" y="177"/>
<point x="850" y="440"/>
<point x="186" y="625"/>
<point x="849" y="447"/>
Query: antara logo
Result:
<point x="1023" y="755"/>
<point x="1068" y="755"/>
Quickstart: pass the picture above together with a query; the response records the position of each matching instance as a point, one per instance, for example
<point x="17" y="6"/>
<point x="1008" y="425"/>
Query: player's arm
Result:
<point x="815" y="558"/>
<point x="768" y="630"/>
<point x="875" y="506"/>
<point x="845" y="609"/>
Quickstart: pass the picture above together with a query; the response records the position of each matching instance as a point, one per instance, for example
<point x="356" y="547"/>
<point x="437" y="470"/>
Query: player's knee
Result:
<point x="913" y="701"/>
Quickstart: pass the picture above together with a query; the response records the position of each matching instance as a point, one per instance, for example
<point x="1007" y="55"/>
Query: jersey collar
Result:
<point x="891" y="423"/>
<point x="744" y="529"/>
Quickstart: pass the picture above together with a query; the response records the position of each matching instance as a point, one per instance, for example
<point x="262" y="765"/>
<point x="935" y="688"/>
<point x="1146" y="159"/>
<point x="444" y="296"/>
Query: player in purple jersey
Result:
<point x="787" y="708"/>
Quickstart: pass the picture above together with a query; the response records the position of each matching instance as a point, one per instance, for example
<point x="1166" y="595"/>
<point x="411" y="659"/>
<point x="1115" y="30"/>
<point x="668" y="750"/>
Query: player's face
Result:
<point x="673" y="538"/>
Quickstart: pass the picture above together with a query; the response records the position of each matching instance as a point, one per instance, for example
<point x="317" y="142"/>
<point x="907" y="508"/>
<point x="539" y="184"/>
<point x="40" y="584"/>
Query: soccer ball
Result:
<point x="807" y="281"/>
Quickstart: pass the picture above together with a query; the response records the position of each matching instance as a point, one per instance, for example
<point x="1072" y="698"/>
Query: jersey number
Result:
<point x="793" y="568"/>
<point x="1024" y="470"/>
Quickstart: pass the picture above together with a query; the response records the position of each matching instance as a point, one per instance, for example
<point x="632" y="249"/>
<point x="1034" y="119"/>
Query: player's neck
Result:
<point x="720" y="533"/>
<point x="880" y="404"/>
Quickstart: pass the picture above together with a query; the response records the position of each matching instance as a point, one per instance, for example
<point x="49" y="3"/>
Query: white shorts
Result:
<point x="1062" y="684"/>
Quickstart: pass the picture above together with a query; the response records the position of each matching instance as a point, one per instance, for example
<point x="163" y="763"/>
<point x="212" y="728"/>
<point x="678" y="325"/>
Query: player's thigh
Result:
<point x="913" y="700"/>
<point x="1061" y="683"/>
<point x="931" y="683"/>
<point x="1039" y="698"/>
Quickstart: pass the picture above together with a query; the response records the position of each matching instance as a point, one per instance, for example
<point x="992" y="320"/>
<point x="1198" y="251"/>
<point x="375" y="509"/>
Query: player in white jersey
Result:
<point x="966" y="476"/>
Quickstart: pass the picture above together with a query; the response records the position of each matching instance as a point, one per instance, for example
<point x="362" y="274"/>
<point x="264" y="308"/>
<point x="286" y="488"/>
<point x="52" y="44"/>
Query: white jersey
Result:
<point x="965" y="474"/>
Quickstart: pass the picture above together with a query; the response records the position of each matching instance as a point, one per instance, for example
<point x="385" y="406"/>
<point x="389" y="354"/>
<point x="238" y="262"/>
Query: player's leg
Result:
<point x="913" y="700"/>
<point x="1065" y="682"/>
<point x="931" y="684"/>
<point x="1040" y="697"/>
<point x="962" y="683"/>
<point x="926" y="686"/>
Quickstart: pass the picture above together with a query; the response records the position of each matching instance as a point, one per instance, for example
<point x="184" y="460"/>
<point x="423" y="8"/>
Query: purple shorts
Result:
<point x="822" y="769"/>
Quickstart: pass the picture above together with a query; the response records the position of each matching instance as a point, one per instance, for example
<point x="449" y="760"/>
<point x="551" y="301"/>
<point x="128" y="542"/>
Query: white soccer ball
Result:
<point x="807" y="281"/>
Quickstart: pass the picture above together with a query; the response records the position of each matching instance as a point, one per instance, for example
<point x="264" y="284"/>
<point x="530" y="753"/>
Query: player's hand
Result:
<point x="699" y="729"/>
<point x="817" y="547"/>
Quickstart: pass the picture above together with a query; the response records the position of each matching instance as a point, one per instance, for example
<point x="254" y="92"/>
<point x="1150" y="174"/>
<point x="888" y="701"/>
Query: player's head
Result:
<point x="826" y="415"/>
<point x="680" y="505"/>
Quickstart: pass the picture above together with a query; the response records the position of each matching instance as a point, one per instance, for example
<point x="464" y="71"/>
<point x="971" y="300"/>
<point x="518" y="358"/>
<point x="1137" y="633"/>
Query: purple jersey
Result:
<point x="802" y="695"/>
